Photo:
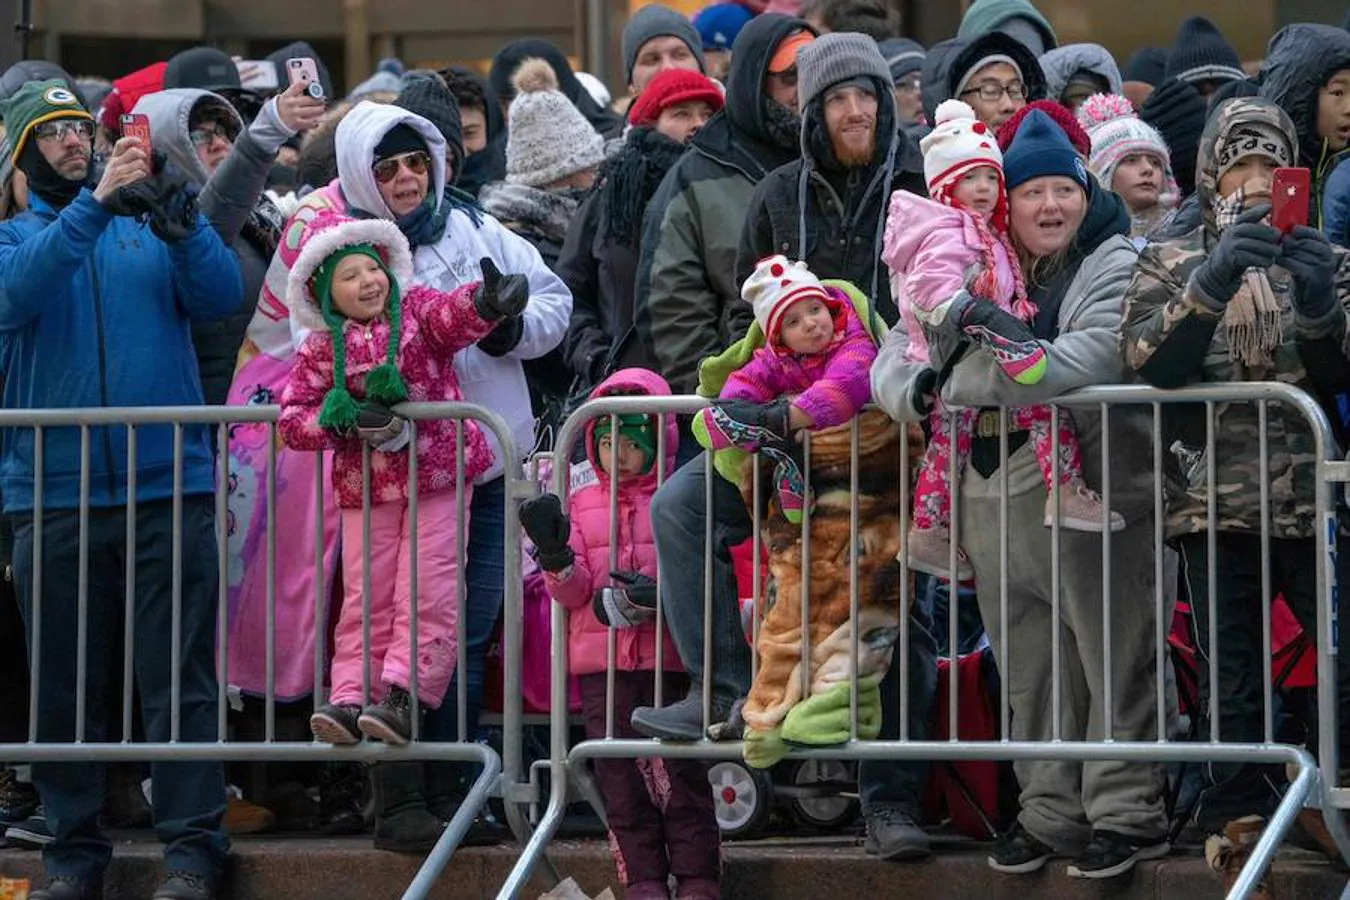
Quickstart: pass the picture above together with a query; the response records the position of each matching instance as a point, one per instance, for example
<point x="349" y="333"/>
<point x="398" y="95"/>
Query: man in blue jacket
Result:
<point x="95" y="310"/>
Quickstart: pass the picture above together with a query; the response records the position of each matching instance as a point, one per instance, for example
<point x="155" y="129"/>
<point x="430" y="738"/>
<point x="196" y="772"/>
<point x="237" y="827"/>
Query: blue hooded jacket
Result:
<point x="95" y="311"/>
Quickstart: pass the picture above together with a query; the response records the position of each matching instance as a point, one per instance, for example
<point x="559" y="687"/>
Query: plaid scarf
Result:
<point x="1251" y="320"/>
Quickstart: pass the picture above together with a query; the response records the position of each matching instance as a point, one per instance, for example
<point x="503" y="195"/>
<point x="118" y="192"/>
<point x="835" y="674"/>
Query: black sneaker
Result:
<point x="1018" y="853"/>
<point x="681" y="721"/>
<point x="390" y="720"/>
<point x="18" y="799"/>
<point x="184" y="886"/>
<point x="30" y="834"/>
<point x="64" y="887"/>
<point x="336" y="724"/>
<point x="1110" y="854"/>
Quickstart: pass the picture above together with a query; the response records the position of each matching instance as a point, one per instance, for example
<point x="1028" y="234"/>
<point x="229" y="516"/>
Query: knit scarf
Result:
<point x="985" y="284"/>
<point x="630" y="178"/>
<point x="1251" y="320"/>
<point x="425" y="224"/>
<point x="546" y="213"/>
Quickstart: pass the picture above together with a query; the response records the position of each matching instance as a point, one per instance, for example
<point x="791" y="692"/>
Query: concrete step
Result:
<point x="830" y="868"/>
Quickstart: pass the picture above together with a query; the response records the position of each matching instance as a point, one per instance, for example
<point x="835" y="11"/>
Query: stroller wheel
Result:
<point x="743" y="799"/>
<point x="821" y="793"/>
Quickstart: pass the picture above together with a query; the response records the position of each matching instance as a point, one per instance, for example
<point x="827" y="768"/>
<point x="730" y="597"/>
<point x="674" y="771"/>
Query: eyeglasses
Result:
<point x="58" y="130"/>
<point x="787" y="78"/>
<point x="387" y="169"/>
<point x="992" y="91"/>
<point x="203" y="136"/>
<point x="909" y="85"/>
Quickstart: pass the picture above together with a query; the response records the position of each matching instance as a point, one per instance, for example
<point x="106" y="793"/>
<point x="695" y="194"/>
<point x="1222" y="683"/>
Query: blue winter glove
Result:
<point x="1307" y="256"/>
<point x="1248" y="244"/>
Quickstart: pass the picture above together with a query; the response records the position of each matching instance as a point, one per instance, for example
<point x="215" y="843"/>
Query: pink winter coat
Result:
<point x="831" y="387"/>
<point x="933" y="252"/>
<point x="635" y="648"/>
<point x="435" y="326"/>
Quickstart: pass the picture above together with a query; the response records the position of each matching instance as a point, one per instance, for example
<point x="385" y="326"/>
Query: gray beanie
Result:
<point x="835" y="57"/>
<point x="657" y="21"/>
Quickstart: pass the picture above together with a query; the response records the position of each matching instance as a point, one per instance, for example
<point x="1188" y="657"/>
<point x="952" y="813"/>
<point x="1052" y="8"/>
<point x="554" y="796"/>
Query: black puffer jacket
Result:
<point x="845" y="211"/>
<point x="1299" y="60"/>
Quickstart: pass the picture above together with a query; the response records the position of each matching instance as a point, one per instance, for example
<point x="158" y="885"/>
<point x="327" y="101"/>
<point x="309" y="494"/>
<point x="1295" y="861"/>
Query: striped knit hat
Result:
<point x="774" y="286"/>
<point x="1117" y="132"/>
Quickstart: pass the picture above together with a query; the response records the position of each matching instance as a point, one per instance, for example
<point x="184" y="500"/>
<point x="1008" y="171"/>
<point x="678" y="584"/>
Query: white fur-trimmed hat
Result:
<point x="324" y="236"/>
<point x="775" y="285"/>
<point x="958" y="143"/>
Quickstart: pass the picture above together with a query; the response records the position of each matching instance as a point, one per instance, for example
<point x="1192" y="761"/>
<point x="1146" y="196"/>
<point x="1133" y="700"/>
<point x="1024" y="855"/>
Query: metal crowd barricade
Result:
<point x="1318" y="788"/>
<point x="500" y="775"/>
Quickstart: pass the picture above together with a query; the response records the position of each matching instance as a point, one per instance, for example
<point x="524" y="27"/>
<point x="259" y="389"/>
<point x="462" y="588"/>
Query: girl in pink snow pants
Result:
<point x="370" y="346"/>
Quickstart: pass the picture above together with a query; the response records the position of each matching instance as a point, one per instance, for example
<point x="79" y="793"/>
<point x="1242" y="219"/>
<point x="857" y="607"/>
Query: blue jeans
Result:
<point x="189" y="797"/>
<point x="484" y="577"/>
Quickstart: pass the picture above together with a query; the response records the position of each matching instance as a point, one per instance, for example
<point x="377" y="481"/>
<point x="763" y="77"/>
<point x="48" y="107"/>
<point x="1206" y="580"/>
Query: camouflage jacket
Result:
<point x="1173" y="336"/>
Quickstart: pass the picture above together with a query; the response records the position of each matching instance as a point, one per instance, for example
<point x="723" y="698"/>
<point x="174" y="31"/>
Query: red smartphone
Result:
<point x="303" y="70"/>
<point x="137" y="125"/>
<point x="1289" y="191"/>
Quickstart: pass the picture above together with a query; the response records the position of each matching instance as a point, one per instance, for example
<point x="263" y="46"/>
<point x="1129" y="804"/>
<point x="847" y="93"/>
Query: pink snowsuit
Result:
<point x="435" y="325"/>
<point x="934" y="252"/>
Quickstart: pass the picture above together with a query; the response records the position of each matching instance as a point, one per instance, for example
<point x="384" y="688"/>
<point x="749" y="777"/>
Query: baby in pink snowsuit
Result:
<point x="371" y="346"/>
<point x="951" y="257"/>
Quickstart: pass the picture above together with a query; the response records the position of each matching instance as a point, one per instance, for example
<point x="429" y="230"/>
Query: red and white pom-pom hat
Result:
<point x="775" y="285"/>
<point x="958" y="143"/>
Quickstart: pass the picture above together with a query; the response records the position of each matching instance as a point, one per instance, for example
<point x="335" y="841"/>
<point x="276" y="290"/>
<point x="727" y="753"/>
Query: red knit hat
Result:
<point x="127" y="90"/>
<point x="1056" y="111"/>
<point x="671" y="88"/>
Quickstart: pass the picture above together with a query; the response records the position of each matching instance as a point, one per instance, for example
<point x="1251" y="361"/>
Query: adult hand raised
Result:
<point x="128" y="164"/>
<point x="297" y="110"/>
<point x="1249" y="243"/>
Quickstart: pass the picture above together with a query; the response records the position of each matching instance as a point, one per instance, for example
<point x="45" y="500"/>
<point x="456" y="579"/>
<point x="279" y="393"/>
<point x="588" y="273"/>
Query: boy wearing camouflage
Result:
<point x="1232" y="301"/>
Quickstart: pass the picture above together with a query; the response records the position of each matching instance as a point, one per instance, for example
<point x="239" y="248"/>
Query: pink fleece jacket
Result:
<point x="635" y="648"/>
<point x="831" y="387"/>
<point x="435" y="326"/>
<point x="933" y="250"/>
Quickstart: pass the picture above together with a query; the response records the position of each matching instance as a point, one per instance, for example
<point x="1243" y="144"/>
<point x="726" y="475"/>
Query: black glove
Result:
<point x="547" y="525"/>
<point x="772" y="417"/>
<point x="972" y="312"/>
<point x="923" y="392"/>
<point x="163" y="201"/>
<point x="1178" y="112"/>
<point x="1307" y="255"/>
<point x="503" y="339"/>
<point x="630" y="601"/>
<point x="1245" y="245"/>
<point x="377" y="425"/>
<point x="500" y="296"/>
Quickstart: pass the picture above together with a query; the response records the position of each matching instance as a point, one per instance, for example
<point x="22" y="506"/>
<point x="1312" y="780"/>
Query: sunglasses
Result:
<point x="387" y="169"/>
<point x="57" y="131"/>
<point x="787" y="78"/>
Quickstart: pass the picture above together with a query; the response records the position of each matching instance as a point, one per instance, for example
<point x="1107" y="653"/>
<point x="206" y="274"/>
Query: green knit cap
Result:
<point x="34" y="103"/>
<point x="637" y="428"/>
<point x="384" y="383"/>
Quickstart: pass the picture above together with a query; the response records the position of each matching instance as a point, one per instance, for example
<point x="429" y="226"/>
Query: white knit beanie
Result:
<point x="1117" y="132"/>
<point x="775" y="285"/>
<point x="547" y="139"/>
<point x="957" y="144"/>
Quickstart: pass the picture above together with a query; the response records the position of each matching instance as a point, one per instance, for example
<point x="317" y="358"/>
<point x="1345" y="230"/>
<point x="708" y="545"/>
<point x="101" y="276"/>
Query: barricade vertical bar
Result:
<point x="1328" y="629"/>
<point x="1056" y="650"/>
<point x="270" y="701"/>
<point x="1004" y="690"/>
<point x="82" y="595"/>
<point x="905" y="577"/>
<point x="953" y="580"/>
<point x="35" y="648"/>
<point x="709" y="473"/>
<point x="176" y="652"/>
<point x="1108" y="700"/>
<point x="806" y="566"/>
<point x="1212" y="563"/>
<point x="414" y="647"/>
<point x="222" y="432"/>
<point x="1159" y="600"/>
<point x="513" y="606"/>
<point x="756" y="524"/>
<point x="659" y="694"/>
<point x="365" y="573"/>
<point x="129" y="600"/>
<point x="611" y="637"/>
<point x="320" y="589"/>
<point x="1267" y="681"/>
<point x="853" y="578"/>
<point x="462" y="588"/>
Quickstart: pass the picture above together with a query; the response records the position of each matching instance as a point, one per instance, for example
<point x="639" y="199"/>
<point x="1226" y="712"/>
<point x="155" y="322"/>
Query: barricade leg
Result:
<point x="455" y="830"/>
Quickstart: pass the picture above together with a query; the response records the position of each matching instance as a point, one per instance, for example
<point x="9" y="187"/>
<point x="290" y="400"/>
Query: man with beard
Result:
<point x="95" y="309"/>
<point x="688" y="304"/>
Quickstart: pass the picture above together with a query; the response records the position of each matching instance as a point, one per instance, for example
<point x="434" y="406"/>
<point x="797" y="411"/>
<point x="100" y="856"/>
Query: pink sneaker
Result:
<point x="930" y="552"/>
<point x="698" y="889"/>
<point x="1080" y="509"/>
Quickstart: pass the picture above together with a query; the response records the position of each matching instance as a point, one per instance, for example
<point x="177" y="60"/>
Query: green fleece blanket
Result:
<point x="714" y="371"/>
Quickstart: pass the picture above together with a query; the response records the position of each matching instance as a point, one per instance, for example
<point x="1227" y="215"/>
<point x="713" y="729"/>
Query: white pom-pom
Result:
<point x="1102" y="108"/>
<point x="950" y="110"/>
<point x="534" y="75"/>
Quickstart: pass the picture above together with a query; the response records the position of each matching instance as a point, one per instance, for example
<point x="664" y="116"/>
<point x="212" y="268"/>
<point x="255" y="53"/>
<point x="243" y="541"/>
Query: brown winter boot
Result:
<point x="1227" y="853"/>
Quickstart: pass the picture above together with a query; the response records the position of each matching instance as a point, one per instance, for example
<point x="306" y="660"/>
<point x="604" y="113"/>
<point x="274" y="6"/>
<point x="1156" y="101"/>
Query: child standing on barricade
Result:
<point x="951" y="256"/>
<point x="370" y="346"/>
<point x="680" y="839"/>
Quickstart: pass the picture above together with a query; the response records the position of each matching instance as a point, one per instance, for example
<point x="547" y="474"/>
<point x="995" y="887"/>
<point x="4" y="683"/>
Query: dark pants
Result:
<point x="189" y="797"/>
<point x="1235" y="790"/>
<point x="13" y="669"/>
<point x="684" y="840"/>
<point x="679" y="518"/>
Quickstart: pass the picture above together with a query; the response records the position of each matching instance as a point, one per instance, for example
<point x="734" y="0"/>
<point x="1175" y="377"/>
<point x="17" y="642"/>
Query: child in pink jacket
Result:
<point x="815" y="365"/>
<point x="951" y="257"/>
<point x="372" y="343"/>
<point x="608" y="586"/>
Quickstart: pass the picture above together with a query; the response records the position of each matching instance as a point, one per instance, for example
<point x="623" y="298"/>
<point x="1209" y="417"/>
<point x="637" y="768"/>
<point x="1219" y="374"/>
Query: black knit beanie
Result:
<point x="399" y="139"/>
<point x="427" y="96"/>
<point x="1148" y="65"/>
<point x="1200" y="53"/>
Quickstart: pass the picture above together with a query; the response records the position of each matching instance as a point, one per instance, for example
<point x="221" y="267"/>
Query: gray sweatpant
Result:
<point x="1063" y="801"/>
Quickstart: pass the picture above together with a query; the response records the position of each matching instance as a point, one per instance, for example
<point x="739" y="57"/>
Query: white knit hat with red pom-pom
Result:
<point x="1117" y="132"/>
<point x="958" y="143"/>
<point x="775" y="285"/>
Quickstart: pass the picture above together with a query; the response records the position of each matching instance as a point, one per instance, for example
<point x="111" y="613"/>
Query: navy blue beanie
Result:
<point x="1041" y="148"/>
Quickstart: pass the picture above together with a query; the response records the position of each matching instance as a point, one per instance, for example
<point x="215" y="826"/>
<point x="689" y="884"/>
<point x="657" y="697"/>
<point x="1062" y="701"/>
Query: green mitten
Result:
<point x="821" y="720"/>
<point x="762" y="749"/>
